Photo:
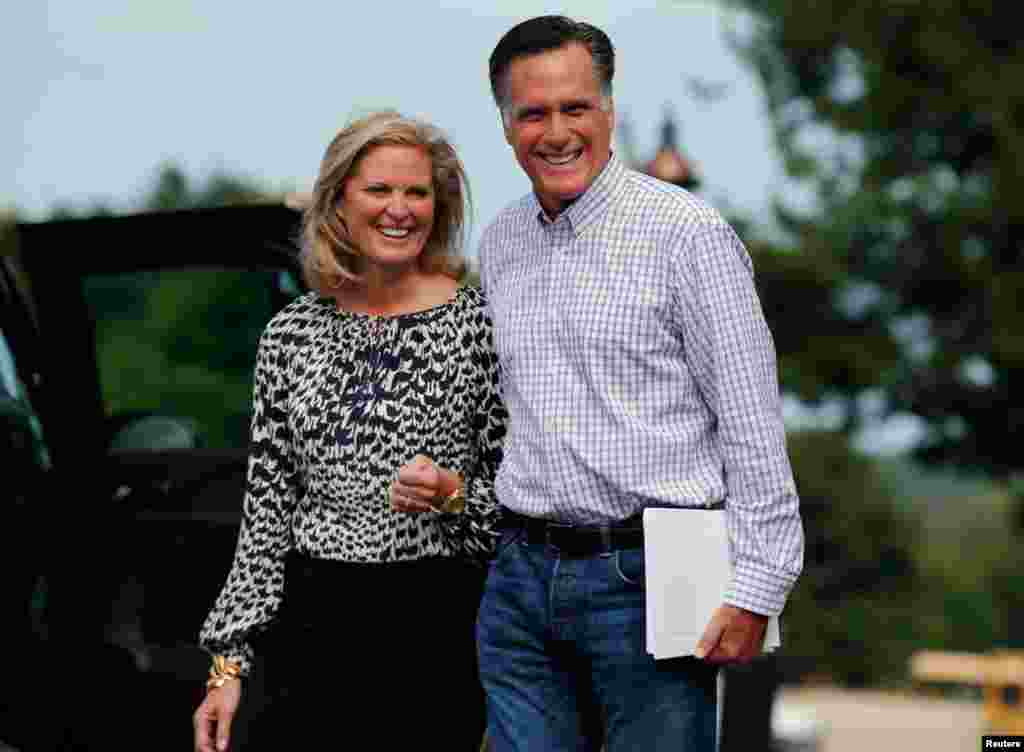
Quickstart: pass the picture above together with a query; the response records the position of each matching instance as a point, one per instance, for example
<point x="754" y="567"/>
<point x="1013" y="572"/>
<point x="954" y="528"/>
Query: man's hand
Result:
<point x="734" y="635"/>
<point x="420" y="486"/>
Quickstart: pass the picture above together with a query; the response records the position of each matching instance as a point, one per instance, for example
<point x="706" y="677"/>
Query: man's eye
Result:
<point x="377" y="188"/>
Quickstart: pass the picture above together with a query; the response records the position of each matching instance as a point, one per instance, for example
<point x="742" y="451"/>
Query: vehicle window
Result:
<point x="16" y="409"/>
<point x="8" y="373"/>
<point x="182" y="343"/>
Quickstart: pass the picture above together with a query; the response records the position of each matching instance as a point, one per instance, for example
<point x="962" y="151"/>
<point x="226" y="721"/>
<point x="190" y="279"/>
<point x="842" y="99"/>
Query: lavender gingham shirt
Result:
<point x="637" y="370"/>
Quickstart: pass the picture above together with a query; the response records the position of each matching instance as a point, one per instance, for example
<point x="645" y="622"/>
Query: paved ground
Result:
<point x="868" y="721"/>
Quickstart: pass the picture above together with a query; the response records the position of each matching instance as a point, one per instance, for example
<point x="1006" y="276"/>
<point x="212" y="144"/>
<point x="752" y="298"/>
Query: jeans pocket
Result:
<point x="629" y="566"/>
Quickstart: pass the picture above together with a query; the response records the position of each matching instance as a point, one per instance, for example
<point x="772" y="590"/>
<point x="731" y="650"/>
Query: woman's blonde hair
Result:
<point x="329" y="257"/>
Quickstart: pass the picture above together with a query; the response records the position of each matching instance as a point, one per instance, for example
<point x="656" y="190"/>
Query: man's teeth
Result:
<point x="394" y="232"/>
<point x="560" y="160"/>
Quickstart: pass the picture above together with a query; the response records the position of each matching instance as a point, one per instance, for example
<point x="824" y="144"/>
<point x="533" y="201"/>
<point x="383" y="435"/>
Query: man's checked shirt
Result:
<point x="638" y="371"/>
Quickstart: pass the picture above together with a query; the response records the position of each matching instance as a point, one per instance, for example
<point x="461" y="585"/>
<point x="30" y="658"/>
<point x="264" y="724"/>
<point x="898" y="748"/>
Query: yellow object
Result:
<point x="455" y="502"/>
<point x="1000" y="675"/>
<point x="221" y="672"/>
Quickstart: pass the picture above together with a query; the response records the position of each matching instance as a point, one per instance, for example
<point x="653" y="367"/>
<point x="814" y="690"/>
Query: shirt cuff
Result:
<point x="761" y="591"/>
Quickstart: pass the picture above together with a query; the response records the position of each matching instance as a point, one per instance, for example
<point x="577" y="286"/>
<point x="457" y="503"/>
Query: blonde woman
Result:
<point x="376" y="435"/>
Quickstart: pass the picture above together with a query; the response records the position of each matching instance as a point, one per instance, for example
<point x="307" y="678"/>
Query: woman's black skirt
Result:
<point x="374" y="656"/>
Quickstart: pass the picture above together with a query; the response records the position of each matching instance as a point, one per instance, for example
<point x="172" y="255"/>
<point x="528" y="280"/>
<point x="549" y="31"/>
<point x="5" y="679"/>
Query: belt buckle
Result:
<point x="555" y="536"/>
<point x="551" y="536"/>
<point x="577" y="542"/>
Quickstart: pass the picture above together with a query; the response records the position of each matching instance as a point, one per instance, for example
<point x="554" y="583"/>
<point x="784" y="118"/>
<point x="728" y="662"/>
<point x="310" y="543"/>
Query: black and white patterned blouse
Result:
<point x="342" y="401"/>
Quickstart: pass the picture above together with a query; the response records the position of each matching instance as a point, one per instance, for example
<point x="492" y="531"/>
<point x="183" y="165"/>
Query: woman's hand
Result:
<point x="212" y="719"/>
<point x="421" y="486"/>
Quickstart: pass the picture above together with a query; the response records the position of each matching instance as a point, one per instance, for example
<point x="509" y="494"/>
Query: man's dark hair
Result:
<point x="545" y="33"/>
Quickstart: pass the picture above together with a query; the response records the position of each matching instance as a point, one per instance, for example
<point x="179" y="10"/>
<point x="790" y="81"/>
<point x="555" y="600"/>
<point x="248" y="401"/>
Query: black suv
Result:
<point x="126" y="354"/>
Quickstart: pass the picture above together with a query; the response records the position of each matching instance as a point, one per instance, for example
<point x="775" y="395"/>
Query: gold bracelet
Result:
<point x="454" y="502"/>
<point x="221" y="672"/>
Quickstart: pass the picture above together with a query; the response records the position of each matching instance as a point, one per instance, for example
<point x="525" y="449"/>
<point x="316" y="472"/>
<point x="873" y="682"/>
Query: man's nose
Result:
<point x="558" y="129"/>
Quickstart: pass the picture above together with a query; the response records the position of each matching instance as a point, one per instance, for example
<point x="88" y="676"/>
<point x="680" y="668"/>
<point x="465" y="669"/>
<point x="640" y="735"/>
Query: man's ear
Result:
<point x="504" y="126"/>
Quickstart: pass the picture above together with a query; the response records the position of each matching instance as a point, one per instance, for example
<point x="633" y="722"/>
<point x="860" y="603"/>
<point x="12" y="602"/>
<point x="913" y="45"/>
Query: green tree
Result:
<point x="852" y="615"/>
<point x="901" y="280"/>
<point x="172" y="189"/>
<point x="907" y="119"/>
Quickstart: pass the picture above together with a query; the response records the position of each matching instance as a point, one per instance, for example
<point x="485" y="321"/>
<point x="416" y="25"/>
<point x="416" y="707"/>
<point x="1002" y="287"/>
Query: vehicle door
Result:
<point x="150" y="326"/>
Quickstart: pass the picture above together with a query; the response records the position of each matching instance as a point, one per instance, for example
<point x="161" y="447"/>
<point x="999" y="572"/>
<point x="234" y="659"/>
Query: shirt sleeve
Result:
<point x="730" y="350"/>
<point x="252" y="593"/>
<point x="473" y="532"/>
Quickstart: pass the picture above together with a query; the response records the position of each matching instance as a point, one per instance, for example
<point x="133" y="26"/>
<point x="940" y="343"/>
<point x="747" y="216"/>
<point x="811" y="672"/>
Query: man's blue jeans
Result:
<point x="563" y="661"/>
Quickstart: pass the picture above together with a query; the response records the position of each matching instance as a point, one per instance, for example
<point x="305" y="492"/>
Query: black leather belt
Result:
<point x="579" y="540"/>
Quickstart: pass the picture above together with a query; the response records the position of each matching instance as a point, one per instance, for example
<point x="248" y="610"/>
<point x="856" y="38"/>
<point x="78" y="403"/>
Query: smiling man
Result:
<point x="638" y="371"/>
<point x="558" y="117"/>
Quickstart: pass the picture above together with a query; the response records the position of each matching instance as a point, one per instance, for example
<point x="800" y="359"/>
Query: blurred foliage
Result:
<point x="900" y="281"/>
<point x="472" y="278"/>
<point x="173" y="190"/>
<point x="889" y="570"/>
<point x="860" y="577"/>
<point x="907" y="120"/>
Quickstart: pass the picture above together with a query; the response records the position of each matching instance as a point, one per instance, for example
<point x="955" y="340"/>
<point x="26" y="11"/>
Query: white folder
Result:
<point x="688" y="571"/>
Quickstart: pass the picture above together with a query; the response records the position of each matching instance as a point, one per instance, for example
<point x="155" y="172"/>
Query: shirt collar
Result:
<point x="594" y="201"/>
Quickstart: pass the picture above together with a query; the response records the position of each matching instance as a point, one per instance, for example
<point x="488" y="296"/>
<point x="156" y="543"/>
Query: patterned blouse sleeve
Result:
<point x="252" y="593"/>
<point x="473" y="532"/>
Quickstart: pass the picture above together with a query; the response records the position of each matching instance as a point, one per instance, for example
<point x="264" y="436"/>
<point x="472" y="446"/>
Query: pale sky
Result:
<point x="98" y="94"/>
